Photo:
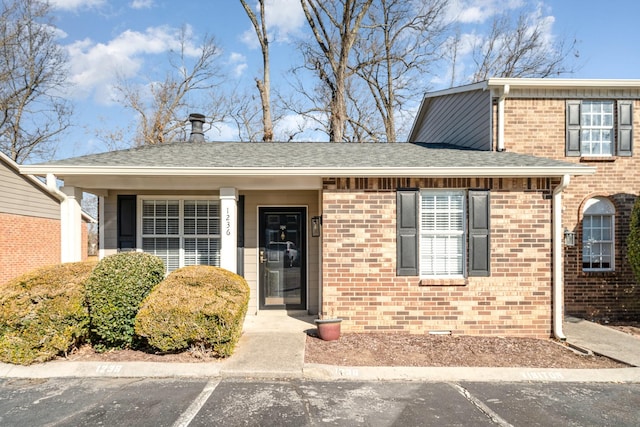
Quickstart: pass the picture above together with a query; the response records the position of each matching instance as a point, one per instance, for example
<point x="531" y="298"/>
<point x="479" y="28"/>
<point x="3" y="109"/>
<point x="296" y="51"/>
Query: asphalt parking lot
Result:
<point x="238" y="402"/>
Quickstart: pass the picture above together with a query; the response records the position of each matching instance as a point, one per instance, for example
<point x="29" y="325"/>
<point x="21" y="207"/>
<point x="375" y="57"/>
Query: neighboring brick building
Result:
<point x="403" y="237"/>
<point x="587" y="122"/>
<point x="29" y="223"/>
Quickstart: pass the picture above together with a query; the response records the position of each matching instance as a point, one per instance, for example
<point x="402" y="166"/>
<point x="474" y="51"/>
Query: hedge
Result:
<point x="115" y="290"/>
<point x="42" y="313"/>
<point x="195" y="306"/>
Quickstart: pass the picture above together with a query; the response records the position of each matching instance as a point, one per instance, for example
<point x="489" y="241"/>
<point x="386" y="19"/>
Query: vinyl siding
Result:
<point x="462" y="119"/>
<point x="21" y="197"/>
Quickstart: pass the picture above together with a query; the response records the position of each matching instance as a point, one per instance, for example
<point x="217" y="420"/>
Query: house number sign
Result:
<point x="228" y="223"/>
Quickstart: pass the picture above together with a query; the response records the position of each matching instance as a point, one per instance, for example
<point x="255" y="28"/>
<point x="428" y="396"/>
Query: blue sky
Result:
<point x="132" y="38"/>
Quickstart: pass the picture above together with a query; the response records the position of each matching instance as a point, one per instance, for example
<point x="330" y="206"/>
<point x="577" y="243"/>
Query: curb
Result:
<point x="318" y="372"/>
<point x="469" y="374"/>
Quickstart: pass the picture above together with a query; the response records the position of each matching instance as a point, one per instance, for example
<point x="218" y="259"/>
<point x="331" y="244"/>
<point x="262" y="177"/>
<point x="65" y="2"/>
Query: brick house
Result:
<point x="404" y="237"/>
<point x="586" y="122"/>
<point x="30" y="227"/>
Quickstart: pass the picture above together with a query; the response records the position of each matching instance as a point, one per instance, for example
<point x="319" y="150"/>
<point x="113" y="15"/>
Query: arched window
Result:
<point x="597" y="235"/>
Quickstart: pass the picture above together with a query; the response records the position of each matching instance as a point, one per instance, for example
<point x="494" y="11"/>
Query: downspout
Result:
<point x="558" y="274"/>
<point x="503" y="96"/>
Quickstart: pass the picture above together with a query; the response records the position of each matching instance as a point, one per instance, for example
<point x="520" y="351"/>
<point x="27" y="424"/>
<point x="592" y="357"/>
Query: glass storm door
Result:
<point x="282" y="258"/>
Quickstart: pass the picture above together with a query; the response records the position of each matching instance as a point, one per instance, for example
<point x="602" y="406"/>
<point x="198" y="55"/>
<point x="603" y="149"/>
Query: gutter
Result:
<point x="371" y="171"/>
<point x="503" y="96"/>
<point x="557" y="272"/>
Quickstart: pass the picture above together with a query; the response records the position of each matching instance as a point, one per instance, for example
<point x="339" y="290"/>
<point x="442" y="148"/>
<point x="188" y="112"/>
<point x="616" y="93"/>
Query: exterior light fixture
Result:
<point x="316" y="224"/>
<point x="569" y="238"/>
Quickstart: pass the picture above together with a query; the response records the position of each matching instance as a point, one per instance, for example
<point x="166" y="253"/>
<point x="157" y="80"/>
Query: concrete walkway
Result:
<point x="603" y="340"/>
<point x="273" y="346"/>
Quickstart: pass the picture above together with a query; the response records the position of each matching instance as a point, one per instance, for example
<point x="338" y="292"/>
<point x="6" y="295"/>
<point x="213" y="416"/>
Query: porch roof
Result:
<point x="311" y="159"/>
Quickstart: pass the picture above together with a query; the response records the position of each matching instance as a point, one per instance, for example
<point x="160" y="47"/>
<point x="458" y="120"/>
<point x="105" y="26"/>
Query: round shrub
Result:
<point x="43" y="314"/>
<point x="115" y="291"/>
<point x="633" y="240"/>
<point x="195" y="306"/>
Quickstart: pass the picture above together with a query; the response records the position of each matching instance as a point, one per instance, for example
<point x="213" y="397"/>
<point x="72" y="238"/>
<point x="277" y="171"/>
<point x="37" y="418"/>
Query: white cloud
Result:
<point x="299" y="128"/>
<point x="222" y="132"/>
<point x="479" y="11"/>
<point x="141" y="4"/>
<point x="96" y="66"/>
<point x="75" y="4"/>
<point x="238" y="62"/>
<point x="283" y="17"/>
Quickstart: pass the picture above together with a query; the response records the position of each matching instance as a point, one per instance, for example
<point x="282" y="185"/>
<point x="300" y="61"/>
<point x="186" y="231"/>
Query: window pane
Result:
<point x="189" y="208"/>
<point x="597" y="241"/>
<point x="148" y="207"/>
<point x="173" y="208"/>
<point x="189" y="226"/>
<point x="167" y="249"/>
<point x="147" y="226"/>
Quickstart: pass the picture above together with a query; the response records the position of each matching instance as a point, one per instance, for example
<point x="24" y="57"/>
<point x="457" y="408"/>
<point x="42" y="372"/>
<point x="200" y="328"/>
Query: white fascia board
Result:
<point x="524" y="83"/>
<point x="563" y="83"/>
<point x="458" y="89"/>
<point x="521" y="171"/>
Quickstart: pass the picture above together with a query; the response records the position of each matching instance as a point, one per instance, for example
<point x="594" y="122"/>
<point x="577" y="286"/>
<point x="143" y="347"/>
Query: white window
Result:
<point x="182" y="232"/>
<point x="596" y="128"/>
<point x="597" y="235"/>
<point x="442" y="233"/>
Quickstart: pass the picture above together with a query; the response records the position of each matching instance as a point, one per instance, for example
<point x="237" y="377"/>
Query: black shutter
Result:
<point x="625" y="128"/>
<point x="126" y="222"/>
<point x="572" y="148"/>
<point x="407" y="236"/>
<point x="479" y="235"/>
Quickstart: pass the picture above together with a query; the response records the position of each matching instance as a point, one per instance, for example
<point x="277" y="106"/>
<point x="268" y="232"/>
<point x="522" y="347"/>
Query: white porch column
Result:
<point x="71" y="225"/>
<point x="229" y="229"/>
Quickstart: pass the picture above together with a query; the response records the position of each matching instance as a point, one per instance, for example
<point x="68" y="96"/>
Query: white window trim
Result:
<point x="612" y="128"/>
<point x="180" y="235"/>
<point x="464" y="233"/>
<point x="612" y="242"/>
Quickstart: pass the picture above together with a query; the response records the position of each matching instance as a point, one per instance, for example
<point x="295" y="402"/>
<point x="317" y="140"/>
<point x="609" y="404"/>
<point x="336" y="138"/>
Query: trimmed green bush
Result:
<point x="115" y="290"/>
<point x="43" y="313"/>
<point x="195" y="306"/>
<point x="633" y="240"/>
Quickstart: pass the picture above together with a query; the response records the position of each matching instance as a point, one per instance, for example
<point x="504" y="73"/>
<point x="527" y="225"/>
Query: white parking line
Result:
<point x="481" y="406"/>
<point x="193" y="409"/>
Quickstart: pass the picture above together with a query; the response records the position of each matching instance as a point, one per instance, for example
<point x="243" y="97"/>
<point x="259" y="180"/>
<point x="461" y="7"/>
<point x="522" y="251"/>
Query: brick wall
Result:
<point x="27" y="243"/>
<point x="359" y="263"/>
<point x="537" y="126"/>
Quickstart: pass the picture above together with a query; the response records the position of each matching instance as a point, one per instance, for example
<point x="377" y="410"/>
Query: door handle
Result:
<point x="262" y="258"/>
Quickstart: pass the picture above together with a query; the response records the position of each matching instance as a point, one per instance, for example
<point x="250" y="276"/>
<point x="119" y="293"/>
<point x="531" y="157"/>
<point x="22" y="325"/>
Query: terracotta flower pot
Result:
<point x="328" y="329"/>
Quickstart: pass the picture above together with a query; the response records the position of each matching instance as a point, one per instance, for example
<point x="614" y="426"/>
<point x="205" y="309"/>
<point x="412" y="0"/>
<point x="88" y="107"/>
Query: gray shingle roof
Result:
<point x="297" y="155"/>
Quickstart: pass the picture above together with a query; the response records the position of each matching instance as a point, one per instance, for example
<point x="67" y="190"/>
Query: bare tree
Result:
<point x="245" y="112"/>
<point x="264" y="85"/>
<point x="33" y="76"/>
<point x="335" y="25"/>
<point x="520" y="47"/>
<point x="400" y="42"/>
<point x="163" y="106"/>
